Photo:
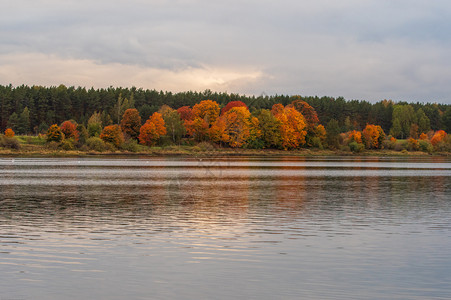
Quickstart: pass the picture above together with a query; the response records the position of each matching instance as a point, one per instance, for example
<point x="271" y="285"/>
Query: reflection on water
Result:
<point x="312" y="228"/>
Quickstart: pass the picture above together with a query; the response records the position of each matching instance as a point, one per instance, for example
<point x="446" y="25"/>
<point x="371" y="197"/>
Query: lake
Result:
<point x="225" y="228"/>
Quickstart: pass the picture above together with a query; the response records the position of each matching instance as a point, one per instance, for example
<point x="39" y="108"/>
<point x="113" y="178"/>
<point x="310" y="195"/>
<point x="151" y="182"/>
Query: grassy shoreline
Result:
<point x="194" y="151"/>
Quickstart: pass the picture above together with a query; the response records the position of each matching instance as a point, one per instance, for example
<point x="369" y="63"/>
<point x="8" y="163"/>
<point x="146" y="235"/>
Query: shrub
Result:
<point x="426" y="146"/>
<point x="9" y="133"/>
<point x="9" y="142"/>
<point x="96" y="144"/>
<point x="94" y="129"/>
<point x="205" y="146"/>
<point x="356" y="147"/>
<point x="130" y="145"/>
<point x="54" y="134"/>
<point x="401" y="145"/>
<point x="67" y="144"/>
<point x="413" y="144"/>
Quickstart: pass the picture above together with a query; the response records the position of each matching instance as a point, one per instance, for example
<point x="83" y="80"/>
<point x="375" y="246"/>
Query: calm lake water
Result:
<point x="225" y="228"/>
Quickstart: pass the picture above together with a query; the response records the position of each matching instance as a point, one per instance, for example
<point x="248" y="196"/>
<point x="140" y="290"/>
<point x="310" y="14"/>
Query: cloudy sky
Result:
<point x="358" y="49"/>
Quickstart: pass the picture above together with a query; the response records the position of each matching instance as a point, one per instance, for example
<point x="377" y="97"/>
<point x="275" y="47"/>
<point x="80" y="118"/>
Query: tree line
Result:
<point x="233" y="120"/>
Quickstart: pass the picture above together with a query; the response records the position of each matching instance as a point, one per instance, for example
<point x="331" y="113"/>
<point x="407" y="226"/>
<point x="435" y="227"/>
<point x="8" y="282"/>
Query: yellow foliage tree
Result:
<point x="292" y="128"/>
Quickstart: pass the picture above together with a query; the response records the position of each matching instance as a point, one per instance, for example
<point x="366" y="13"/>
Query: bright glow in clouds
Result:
<point x="48" y="70"/>
<point x="366" y="50"/>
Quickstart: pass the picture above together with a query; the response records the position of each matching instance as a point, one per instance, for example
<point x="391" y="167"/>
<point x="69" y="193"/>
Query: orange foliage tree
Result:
<point x="207" y="110"/>
<point x="355" y="136"/>
<point x="131" y="123"/>
<point x="204" y="115"/>
<point x="292" y="128"/>
<point x="54" y="134"/>
<point x="152" y="130"/>
<point x="235" y="127"/>
<point x="309" y="113"/>
<point x="233" y="104"/>
<point x="424" y="137"/>
<point x="112" y="134"/>
<point x="70" y="130"/>
<point x="9" y="133"/>
<point x="372" y="136"/>
<point x="438" y="137"/>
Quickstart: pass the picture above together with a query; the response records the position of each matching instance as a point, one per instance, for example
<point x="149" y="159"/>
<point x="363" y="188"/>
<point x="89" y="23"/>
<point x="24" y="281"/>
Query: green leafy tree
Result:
<point x="174" y="125"/>
<point x="270" y="128"/>
<point x="13" y="121"/>
<point x="446" y="120"/>
<point x="396" y="129"/>
<point x="406" y="117"/>
<point x="424" y="124"/>
<point x="333" y="134"/>
<point x="23" y="125"/>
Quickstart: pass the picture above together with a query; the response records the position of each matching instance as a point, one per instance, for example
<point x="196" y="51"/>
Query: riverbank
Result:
<point x="30" y="150"/>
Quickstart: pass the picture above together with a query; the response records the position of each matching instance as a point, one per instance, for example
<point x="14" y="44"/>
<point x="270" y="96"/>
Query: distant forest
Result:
<point x="45" y="106"/>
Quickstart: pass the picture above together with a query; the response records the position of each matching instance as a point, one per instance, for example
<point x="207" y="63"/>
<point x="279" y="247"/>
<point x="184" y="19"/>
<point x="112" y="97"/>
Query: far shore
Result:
<point x="192" y="151"/>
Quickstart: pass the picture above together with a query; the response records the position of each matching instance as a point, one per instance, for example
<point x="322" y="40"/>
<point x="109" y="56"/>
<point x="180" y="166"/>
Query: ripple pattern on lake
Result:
<point x="221" y="228"/>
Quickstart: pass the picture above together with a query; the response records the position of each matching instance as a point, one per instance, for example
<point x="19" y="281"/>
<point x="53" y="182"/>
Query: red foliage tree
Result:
<point x="233" y="104"/>
<point x="112" y="134"/>
<point x="309" y="113"/>
<point x="70" y="130"/>
<point x="131" y="123"/>
<point x="186" y="113"/>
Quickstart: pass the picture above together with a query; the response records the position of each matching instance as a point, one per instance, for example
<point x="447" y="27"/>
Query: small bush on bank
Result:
<point x="9" y="142"/>
<point x="205" y="146"/>
<point x="130" y="145"/>
<point x="426" y="146"/>
<point x="356" y="147"/>
<point x="96" y="144"/>
<point x="67" y="144"/>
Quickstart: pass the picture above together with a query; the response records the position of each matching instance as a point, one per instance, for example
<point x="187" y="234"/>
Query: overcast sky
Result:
<point x="366" y="50"/>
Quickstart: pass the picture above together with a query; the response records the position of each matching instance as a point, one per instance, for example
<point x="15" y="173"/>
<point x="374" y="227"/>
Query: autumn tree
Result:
<point x="233" y="104"/>
<point x="152" y="130"/>
<point x="236" y="127"/>
<point x="309" y="113"/>
<point x="54" y="134"/>
<point x="131" y="123"/>
<point x="355" y="136"/>
<point x="164" y="110"/>
<point x="372" y="136"/>
<point x="186" y="113"/>
<point x="292" y="128"/>
<point x="204" y="116"/>
<point x="9" y="133"/>
<point x="207" y="110"/>
<point x="112" y="134"/>
<point x="438" y="137"/>
<point x="69" y="129"/>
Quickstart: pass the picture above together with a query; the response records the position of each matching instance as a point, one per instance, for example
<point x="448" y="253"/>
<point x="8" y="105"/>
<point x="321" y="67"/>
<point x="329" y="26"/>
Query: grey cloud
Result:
<point x="368" y="49"/>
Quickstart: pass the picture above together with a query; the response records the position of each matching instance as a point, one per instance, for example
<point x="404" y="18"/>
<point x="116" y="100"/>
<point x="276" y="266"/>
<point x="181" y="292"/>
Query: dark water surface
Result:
<point x="225" y="228"/>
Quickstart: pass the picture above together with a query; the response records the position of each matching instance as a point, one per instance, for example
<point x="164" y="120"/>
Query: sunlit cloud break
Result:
<point x="51" y="70"/>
